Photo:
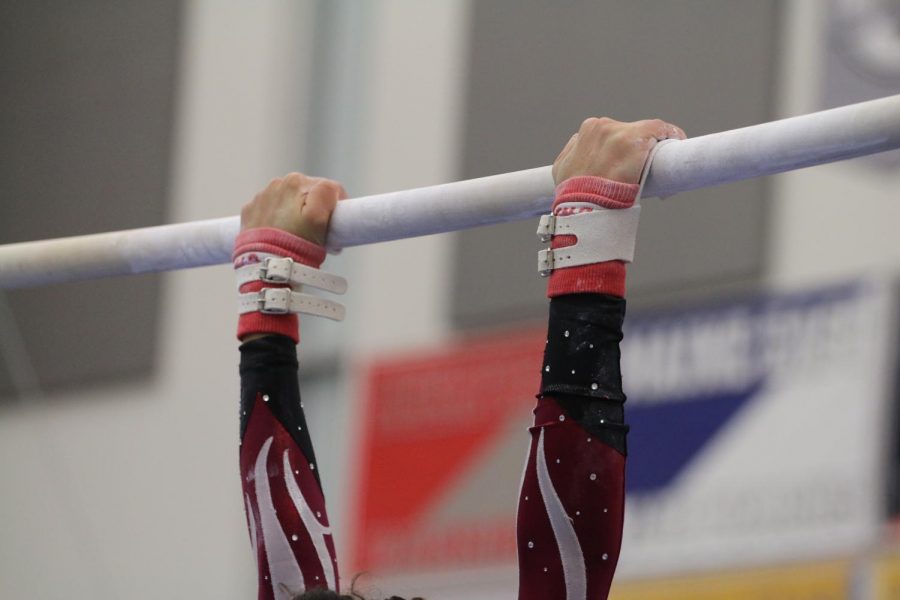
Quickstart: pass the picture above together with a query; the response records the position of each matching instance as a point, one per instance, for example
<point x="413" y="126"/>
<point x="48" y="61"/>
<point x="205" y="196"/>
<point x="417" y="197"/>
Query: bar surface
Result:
<point x="765" y="149"/>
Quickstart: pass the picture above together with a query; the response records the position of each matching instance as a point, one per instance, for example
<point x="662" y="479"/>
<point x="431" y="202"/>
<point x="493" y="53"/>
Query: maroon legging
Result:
<point x="570" y="507"/>
<point x="283" y="496"/>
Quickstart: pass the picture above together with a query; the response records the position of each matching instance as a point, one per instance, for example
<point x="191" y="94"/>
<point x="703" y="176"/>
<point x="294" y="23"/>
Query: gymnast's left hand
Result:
<point x="611" y="149"/>
<point x="296" y="203"/>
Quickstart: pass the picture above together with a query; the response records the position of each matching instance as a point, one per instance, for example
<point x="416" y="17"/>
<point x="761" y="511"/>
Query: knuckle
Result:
<point x="329" y="186"/>
<point x="593" y="123"/>
<point x="599" y="126"/>
<point x="293" y="180"/>
<point x="657" y="127"/>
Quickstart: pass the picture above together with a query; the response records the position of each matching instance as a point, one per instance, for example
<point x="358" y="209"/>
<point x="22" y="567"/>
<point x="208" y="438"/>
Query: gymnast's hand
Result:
<point x="611" y="149"/>
<point x="296" y="203"/>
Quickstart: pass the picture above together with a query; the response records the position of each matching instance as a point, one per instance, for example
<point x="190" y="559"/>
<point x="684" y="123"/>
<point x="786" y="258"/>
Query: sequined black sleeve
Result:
<point x="582" y="363"/>
<point x="283" y="496"/>
<point x="571" y="506"/>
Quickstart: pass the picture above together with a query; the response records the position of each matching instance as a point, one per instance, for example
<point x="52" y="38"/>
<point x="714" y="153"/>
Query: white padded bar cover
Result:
<point x="602" y="235"/>
<point x="279" y="301"/>
<point x="276" y="269"/>
<point x="679" y="166"/>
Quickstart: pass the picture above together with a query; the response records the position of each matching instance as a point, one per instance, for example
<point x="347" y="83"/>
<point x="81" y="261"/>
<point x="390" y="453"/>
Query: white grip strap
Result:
<point x="277" y="269"/>
<point x="603" y="234"/>
<point x="645" y="173"/>
<point x="281" y="301"/>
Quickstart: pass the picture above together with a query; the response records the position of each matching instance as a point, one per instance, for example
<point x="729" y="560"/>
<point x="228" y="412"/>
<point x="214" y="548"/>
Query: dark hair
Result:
<point x="326" y="594"/>
<point x="323" y="594"/>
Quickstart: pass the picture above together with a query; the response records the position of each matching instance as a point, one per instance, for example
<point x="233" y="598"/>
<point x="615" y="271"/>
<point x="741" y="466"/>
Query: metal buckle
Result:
<point x="276" y="270"/>
<point x="546" y="228"/>
<point x="546" y="262"/>
<point x="274" y="301"/>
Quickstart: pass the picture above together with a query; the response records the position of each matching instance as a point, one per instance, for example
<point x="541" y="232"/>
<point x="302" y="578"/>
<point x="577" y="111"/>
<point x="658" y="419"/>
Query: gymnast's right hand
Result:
<point x="611" y="149"/>
<point x="296" y="203"/>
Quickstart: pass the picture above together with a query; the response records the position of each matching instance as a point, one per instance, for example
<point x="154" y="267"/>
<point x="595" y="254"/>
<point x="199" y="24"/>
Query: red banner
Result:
<point x="442" y="454"/>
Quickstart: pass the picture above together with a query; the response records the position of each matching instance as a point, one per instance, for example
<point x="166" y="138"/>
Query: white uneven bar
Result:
<point x="785" y="145"/>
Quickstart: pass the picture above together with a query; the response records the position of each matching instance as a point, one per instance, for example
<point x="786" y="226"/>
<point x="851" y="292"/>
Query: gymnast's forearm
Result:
<point x="571" y="506"/>
<point x="281" y="244"/>
<point x="283" y="497"/>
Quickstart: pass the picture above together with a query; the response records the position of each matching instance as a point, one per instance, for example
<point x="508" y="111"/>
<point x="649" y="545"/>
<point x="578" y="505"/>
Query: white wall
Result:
<point x="133" y="491"/>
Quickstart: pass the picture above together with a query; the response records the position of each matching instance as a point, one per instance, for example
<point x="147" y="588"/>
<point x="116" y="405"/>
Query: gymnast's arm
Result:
<point x="571" y="506"/>
<point x="283" y="498"/>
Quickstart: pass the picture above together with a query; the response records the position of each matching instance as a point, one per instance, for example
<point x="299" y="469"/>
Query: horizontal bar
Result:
<point x="766" y="149"/>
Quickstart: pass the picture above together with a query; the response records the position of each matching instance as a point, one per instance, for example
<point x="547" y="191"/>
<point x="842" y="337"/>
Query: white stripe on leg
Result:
<point x="566" y="540"/>
<point x="283" y="567"/>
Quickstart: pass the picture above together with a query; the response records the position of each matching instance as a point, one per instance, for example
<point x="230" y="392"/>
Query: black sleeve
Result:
<point x="582" y="363"/>
<point x="270" y="363"/>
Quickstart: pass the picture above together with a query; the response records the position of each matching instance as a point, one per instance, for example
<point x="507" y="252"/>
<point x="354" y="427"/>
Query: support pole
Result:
<point x="766" y="149"/>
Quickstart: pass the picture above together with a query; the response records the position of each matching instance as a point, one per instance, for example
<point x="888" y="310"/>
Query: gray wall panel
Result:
<point x="86" y="110"/>
<point x="537" y="69"/>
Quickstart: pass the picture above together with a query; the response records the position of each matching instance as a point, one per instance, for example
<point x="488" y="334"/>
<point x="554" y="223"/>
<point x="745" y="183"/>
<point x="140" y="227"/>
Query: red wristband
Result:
<point x="267" y="240"/>
<point x="600" y="278"/>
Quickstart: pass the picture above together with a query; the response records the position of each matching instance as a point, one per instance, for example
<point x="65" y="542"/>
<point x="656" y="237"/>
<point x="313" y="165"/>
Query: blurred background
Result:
<point x="760" y="358"/>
